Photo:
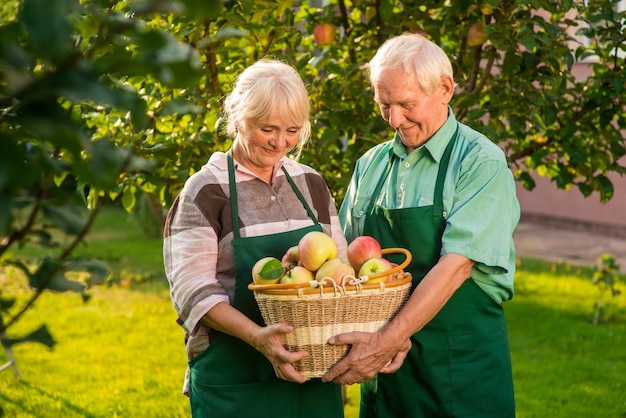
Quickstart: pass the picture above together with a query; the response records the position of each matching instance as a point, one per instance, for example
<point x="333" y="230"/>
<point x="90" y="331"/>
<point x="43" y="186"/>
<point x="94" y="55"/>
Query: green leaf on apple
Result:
<point x="273" y="269"/>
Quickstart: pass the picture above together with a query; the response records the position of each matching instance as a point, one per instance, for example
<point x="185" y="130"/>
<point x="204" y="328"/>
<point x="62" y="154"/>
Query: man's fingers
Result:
<point x="347" y="338"/>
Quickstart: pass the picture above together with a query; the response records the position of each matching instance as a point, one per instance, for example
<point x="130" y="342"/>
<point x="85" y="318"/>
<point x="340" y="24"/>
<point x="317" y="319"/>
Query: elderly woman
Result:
<point x="248" y="203"/>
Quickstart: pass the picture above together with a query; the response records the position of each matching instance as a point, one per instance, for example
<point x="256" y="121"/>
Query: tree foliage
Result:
<point x="120" y="100"/>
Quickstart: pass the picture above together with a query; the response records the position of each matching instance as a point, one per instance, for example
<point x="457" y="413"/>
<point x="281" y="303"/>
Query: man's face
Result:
<point x="413" y="114"/>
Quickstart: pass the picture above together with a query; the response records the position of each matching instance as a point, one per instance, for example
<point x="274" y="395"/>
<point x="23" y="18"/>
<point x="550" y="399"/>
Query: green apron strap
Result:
<point x="232" y="187"/>
<point x="234" y="206"/>
<point x="299" y="194"/>
<point x="441" y="175"/>
<point x="379" y="185"/>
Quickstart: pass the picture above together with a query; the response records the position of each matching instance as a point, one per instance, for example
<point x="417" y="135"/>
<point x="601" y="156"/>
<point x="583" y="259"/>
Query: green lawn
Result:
<point x="121" y="354"/>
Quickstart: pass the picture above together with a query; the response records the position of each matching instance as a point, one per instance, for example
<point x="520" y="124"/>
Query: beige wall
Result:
<point x="548" y="202"/>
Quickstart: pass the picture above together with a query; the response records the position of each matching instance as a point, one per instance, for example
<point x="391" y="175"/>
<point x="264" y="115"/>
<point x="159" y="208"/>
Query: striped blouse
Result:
<point x="197" y="248"/>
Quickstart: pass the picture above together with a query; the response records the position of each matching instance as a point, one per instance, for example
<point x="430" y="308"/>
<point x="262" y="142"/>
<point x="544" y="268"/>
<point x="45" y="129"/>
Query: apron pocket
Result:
<point x="276" y="398"/>
<point x="246" y="400"/>
<point x="480" y="370"/>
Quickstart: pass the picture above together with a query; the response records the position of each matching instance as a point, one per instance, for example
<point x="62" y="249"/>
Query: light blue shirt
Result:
<point x="480" y="204"/>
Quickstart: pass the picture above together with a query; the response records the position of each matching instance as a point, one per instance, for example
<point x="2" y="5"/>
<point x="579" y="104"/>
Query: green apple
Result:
<point x="314" y="249"/>
<point x="267" y="270"/>
<point x="336" y="269"/>
<point x="296" y="275"/>
<point x="375" y="266"/>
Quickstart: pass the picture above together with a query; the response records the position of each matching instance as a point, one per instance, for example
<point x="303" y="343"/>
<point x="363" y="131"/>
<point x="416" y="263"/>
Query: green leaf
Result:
<point x="67" y="218"/>
<point x="51" y="275"/>
<point x="202" y="10"/>
<point x="98" y="270"/>
<point x="46" y="22"/>
<point x="180" y="106"/>
<point x="40" y="335"/>
<point x="272" y="270"/>
<point x="128" y="197"/>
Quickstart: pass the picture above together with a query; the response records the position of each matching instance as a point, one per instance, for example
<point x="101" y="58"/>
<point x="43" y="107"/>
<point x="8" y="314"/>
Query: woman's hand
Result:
<point x="269" y="341"/>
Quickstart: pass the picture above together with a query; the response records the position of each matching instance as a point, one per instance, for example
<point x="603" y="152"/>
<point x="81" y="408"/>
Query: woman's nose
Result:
<point x="279" y="140"/>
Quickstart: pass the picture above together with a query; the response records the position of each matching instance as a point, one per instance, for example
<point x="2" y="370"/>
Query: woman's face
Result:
<point x="413" y="114"/>
<point x="264" y="143"/>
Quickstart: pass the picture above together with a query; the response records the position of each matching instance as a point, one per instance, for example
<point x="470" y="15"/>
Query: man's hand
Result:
<point x="370" y="354"/>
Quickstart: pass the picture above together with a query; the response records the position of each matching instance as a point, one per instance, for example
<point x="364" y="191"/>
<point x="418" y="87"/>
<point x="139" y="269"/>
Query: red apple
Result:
<point x="324" y="34"/>
<point x="297" y="274"/>
<point x="362" y="249"/>
<point x="336" y="269"/>
<point x="315" y="248"/>
<point x="375" y="266"/>
<point x="476" y="34"/>
<point x="291" y="257"/>
<point x="267" y="270"/>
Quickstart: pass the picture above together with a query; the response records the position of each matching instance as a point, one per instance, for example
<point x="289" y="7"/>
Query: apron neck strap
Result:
<point x="234" y="206"/>
<point x="299" y="194"/>
<point x="443" y="169"/>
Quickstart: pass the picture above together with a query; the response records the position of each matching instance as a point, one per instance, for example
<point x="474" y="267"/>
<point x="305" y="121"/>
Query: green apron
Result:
<point x="459" y="364"/>
<point x="232" y="379"/>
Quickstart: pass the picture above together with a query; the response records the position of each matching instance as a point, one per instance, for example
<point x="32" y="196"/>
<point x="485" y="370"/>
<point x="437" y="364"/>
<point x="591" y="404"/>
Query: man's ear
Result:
<point x="447" y="89"/>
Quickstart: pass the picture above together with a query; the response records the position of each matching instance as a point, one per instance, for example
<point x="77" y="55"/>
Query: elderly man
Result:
<point x="445" y="192"/>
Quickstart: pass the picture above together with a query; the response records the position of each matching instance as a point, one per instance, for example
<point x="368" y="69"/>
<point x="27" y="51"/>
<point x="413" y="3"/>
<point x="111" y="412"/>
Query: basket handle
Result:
<point x="275" y="286"/>
<point x="397" y="268"/>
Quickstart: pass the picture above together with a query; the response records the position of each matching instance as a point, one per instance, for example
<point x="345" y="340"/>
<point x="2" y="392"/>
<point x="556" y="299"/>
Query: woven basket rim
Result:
<point x="344" y="290"/>
<point x="300" y="289"/>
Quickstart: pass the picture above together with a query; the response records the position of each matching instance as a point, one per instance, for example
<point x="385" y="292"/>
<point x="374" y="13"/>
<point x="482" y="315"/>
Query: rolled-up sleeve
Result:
<point x="190" y="254"/>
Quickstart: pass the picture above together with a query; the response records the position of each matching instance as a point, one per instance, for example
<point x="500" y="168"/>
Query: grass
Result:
<point x="121" y="354"/>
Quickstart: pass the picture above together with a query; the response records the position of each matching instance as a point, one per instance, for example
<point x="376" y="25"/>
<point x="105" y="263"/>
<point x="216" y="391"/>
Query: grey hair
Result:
<point x="416" y="55"/>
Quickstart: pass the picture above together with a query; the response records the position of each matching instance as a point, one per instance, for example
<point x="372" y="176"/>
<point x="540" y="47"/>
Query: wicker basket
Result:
<point x="320" y="313"/>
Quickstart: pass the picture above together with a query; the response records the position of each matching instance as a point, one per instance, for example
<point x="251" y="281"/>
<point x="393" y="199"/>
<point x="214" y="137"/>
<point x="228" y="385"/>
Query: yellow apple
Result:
<point x="336" y="269"/>
<point x="375" y="266"/>
<point x="267" y="270"/>
<point x="297" y="274"/>
<point x="315" y="248"/>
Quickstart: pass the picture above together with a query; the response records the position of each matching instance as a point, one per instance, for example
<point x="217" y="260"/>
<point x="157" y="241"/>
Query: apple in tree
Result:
<point x="362" y="249"/>
<point x="315" y="248"/>
<point x="291" y="257"/>
<point x="336" y="269"/>
<point x="297" y="274"/>
<point x="324" y="34"/>
<point x="375" y="266"/>
<point x="476" y="34"/>
<point x="267" y="270"/>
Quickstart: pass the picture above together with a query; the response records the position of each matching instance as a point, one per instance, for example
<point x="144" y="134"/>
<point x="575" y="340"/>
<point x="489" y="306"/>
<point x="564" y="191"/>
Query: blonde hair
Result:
<point x="416" y="55"/>
<point x="260" y="90"/>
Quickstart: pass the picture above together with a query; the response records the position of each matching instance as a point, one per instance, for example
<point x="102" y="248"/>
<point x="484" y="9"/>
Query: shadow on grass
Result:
<point x="36" y="391"/>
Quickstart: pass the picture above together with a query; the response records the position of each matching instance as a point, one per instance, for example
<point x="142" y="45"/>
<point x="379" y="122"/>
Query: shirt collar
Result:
<point x="220" y="161"/>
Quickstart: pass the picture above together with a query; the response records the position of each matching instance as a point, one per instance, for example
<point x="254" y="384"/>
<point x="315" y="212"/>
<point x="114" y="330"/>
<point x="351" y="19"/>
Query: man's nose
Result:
<point x="395" y="117"/>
